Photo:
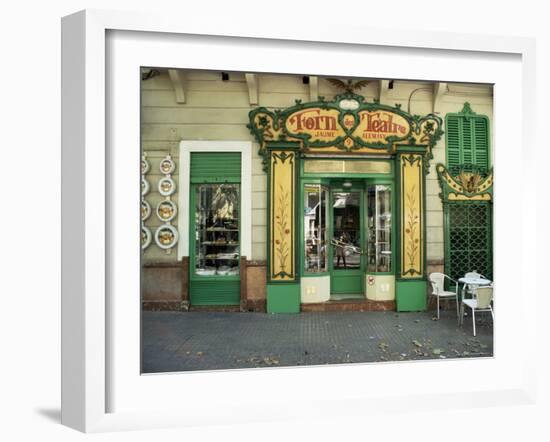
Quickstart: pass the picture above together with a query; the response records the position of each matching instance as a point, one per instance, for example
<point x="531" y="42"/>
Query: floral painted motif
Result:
<point x="282" y="223"/>
<point x="411" y="248"/>
<point x="412" y="229"/>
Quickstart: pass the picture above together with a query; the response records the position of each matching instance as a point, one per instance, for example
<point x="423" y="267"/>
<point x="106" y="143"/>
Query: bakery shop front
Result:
<point x="259" y="194"/>
<point x="346" y="204"/>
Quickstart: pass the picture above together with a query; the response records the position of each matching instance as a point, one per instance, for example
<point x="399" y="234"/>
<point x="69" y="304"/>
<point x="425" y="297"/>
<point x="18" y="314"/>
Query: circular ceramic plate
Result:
<point x="144" y="186"/>
<point x="145" y="237"/>
<point x="166" y="236"/>
<point x="145" y="166"/>
<point x="167" y="186"/>
<point x="167" y="165"/>
<point x="145" y="210"/>
<point x="167" y="210"/>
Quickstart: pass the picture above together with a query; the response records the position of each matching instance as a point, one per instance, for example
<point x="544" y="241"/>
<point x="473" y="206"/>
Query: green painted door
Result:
<point x="214" y="228"/>
<point x="346" y="230"/>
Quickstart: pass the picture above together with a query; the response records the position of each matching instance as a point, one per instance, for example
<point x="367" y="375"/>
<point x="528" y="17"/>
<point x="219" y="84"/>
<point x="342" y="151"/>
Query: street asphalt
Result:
<point x="191" y="341"/>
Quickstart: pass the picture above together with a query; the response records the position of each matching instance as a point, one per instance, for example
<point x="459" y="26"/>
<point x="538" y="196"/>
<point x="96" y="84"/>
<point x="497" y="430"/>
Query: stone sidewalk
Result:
<point x="189" y="341"/>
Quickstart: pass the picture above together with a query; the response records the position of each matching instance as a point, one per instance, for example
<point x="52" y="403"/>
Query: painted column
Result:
<point x="283" y="288"/>
<point x="411" y="283"/>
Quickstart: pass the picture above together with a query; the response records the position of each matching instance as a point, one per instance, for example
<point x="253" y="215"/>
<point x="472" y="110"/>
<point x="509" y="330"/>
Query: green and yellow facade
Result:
<point x="347" y="198"/>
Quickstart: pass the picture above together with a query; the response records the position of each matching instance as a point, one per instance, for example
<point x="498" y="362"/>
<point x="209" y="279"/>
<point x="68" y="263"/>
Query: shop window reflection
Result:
<point x="315" y="227"/>
<point x="379" y="228"/>
<point x="346" y="230"/>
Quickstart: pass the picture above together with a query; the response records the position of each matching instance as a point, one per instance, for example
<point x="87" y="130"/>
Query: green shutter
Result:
<point x="216" y="167"/>
<point x="467" y="140"/>
<point x="214" y="292"/>
<point x="453" y="140"/>
<point x="481" y="139"/>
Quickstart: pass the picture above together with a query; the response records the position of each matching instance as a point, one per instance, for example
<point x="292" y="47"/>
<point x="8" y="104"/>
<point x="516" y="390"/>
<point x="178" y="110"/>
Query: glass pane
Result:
<point x="217" y="229"/>
<point x="379" y="228"/>
<point x="346" y="230"/>
<point x="315" y="227"/>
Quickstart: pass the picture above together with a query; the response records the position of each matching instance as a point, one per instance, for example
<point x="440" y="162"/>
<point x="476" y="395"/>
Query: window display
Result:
<point x="217" y="229"/>
<point x="346" y="212"/>
<point x="315" y="227"/>
<point x="379" y="228"/>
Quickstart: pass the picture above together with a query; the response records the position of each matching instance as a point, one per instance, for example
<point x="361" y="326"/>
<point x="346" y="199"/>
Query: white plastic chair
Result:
<point x="437" y="281"/>
<point x="481" y="302"/>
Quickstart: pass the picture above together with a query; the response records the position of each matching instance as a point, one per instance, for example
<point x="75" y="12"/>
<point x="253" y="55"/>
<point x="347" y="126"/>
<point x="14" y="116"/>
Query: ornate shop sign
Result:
<point x="347" y="123"/>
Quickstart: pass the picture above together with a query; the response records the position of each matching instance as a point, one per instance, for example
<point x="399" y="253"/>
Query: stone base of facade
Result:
<point x="157" y="306"/>
<point x="349" y="306"/>
<point x="253" y="305"/>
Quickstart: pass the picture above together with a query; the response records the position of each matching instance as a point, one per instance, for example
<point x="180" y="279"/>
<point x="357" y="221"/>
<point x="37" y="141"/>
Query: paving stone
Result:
<point x="190" y="341"/>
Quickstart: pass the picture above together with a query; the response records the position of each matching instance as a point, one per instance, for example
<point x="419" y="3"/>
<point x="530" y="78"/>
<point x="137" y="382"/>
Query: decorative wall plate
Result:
<point x="144" y="186"/>
<point x="167" y="165"/>
<point x="166" y="236"/>
<point x="167" y="186"/>
<point x="167" y="210"/>
<point x="145" y="166"/>
<point x="145" y="210"/>
<point x="145" y="237"/>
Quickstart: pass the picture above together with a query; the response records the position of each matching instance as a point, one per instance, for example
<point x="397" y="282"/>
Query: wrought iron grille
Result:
<point x="469" y="239"/>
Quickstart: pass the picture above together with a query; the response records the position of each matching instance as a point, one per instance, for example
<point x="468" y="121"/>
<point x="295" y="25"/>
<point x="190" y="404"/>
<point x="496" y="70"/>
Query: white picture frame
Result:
<point x="102" y="389"/>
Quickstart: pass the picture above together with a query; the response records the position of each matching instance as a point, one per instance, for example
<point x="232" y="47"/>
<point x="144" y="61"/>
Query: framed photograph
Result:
<point x="331" y="212"/>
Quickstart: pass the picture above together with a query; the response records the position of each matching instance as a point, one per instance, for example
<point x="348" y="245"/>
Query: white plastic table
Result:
<point x="472" y="281"/>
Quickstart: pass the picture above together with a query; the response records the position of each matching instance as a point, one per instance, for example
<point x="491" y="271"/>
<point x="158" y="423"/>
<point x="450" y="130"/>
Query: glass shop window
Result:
<point x="379" y="228"/>
<point x="315" y="227"/>
<point x="217" y="229"/>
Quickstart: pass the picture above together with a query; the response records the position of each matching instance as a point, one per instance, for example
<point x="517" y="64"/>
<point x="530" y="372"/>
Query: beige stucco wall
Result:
<point x="218" y="110"/>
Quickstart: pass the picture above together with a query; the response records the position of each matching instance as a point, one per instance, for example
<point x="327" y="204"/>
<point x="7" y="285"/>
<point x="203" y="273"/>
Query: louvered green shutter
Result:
<point x="481" y="142"/>
<point x="453" y="140"/>
<point x="467" y="148"/>
<point x="467" y="139"/>
<point x="215" y="167"/>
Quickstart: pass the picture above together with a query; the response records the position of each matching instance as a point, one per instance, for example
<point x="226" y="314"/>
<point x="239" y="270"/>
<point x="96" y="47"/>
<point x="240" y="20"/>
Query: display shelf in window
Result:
<point x="217" y="233"/>
<point x="379" y="247"/>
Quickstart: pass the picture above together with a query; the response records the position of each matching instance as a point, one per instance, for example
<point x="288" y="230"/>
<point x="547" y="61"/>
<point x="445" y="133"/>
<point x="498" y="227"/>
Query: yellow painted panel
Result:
<point x="462" y="197"/>
<point x="412" y="221"/>
<point x="282" y="216"/>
